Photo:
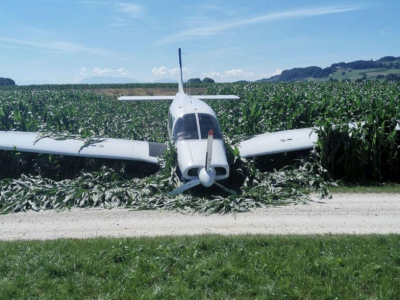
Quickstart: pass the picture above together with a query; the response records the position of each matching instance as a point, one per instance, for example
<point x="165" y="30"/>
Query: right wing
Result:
<point x="97" y="148"/>
<point x="216" y="97"/>
<point x="285" y="141"/>
<point x="278" y="142"/>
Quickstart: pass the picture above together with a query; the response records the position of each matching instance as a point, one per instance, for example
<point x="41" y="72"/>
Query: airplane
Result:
<point x="193" y="130"/>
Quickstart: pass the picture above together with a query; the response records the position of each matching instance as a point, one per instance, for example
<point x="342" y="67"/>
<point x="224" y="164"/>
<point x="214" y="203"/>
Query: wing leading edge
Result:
<point x="278" y="142"/>
<point x="102" y="148"/>
<point x="216" y="97"/>
<point x="163" y="98"/>
<point x="145" y="98"/>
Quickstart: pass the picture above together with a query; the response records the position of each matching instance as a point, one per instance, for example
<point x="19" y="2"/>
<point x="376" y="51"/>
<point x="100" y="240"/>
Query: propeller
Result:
<point x="206" y="174"/>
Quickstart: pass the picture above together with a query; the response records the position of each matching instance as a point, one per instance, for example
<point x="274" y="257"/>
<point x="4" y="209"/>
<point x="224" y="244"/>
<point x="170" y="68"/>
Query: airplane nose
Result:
<point x="207" y="178"/>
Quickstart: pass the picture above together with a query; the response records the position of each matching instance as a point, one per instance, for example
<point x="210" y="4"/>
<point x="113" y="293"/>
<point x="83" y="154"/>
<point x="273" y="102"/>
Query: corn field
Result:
<point x="368" y="153"/>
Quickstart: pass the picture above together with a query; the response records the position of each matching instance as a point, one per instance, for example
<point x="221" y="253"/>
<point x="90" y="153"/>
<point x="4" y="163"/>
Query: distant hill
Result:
<point x="385" y="68"/>
<point x="6" y="81"/>
<point x="105" y="79"/>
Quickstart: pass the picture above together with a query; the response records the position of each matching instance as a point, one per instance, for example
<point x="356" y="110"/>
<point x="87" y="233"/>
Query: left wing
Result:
<point x="278" y="142"/>
<point x="100" y="148"/>
<point x="145" y="98"/>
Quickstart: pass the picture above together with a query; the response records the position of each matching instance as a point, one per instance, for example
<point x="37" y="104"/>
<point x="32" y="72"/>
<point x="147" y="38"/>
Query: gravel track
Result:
<point x="345" y="213"/>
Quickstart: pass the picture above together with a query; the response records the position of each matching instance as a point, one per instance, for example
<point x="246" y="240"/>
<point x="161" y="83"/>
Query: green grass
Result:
<point x="203" y="267"/>
<point x="384" y="188"/>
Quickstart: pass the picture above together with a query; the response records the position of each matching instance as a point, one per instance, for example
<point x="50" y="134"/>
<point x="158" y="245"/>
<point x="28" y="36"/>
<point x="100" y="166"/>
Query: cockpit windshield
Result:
<point x="186" y="127"/>
<point x="208" y="122"/>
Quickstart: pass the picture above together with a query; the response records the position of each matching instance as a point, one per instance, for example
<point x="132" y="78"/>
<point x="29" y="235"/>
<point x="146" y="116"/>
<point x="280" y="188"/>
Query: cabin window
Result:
<point x="186" y="128"/>
<point x="206" y="123"/>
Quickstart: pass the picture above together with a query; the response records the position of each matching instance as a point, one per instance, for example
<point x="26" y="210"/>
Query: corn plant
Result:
<point x="367" y="153"/>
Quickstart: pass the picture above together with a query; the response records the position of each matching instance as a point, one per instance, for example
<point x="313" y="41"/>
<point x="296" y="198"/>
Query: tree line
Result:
<point x="198" y="80"/>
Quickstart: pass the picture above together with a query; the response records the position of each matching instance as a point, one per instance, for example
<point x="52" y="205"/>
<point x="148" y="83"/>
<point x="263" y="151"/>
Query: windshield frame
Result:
<point x="204" y="127"/>
<point x="192" y="127"/>
<point x="186" y="128"/>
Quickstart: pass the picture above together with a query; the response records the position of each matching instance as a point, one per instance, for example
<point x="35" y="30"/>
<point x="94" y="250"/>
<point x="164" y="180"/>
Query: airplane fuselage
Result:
<point x="189" y="122"/>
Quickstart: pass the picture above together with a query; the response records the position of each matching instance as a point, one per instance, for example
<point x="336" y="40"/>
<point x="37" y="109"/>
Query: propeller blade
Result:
<point x="184" y="187"/>
<point x="209" y="149"/>
<point x="225" y="189"/>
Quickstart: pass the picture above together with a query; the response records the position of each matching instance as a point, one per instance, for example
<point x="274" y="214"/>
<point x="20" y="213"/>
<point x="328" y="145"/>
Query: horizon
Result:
<point x="65" y="42"/>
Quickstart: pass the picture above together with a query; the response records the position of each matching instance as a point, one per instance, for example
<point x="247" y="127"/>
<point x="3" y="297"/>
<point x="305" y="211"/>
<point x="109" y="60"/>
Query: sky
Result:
<point x="66" y="41"/>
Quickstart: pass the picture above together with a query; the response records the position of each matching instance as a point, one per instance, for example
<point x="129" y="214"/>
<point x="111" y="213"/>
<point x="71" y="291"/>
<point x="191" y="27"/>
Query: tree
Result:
<point x="6" y="81"/>
<point x="208" y="80"/>
<point x="343" y="73"/>
<point x="387" y="59"/>
<point x="194" y="80"/>
<point x="393" y="77"/>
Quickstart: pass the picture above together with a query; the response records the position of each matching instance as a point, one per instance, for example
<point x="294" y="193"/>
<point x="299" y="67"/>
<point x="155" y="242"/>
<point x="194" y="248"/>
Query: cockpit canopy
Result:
<point x="186" y="127"/>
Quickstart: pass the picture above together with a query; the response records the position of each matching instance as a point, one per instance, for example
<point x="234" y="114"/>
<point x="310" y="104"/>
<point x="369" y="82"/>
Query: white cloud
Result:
<point x="175" y="71"/>
<point x="130" y="10"/>
<point x="59" y="46"/>
<point x="97" y="3"/>
<point x="268" y="75"/>
<point x="159" y="71"/>
<point x="219" y="28"/>
<point x="238" y="73"/>
<point x="212" y="74"/>
<point x="36" y="30"/>
<point x="122" y="71"/>
<point x="98" y="71"/>
<point x="120" y="22"/>
<point x="84" y="73"/>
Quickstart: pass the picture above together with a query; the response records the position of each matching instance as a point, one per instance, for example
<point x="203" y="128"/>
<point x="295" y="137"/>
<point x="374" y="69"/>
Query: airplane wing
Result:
<point x="160" y="98"/>
<point x="285" y="141"/>
<point x="278" y="142"/>
<point x="216" y="97"/>
<point x="98" y="148"/>
<point x="145" y="98"/>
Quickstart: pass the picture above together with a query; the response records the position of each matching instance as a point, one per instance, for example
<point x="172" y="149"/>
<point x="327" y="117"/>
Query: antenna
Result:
<point x="180" y="69"/>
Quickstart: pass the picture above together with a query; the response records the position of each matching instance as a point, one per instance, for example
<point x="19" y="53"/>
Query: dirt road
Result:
<point x="345" y="213"/>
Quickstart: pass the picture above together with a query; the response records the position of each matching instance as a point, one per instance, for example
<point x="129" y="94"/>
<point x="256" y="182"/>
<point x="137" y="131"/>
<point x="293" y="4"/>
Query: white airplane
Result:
<point x="193" y="129"/>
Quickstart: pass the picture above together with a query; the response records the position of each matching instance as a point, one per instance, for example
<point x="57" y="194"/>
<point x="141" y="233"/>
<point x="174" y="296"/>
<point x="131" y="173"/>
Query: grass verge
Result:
<point x="384" y="188"/>
<point x="203" y="267"/>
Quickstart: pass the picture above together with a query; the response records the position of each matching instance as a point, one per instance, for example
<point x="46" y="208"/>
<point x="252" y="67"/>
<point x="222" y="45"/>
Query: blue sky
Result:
<point x="64" y="41"/>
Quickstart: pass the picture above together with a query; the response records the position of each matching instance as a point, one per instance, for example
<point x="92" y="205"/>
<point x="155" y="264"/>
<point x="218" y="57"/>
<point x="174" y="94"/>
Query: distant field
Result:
<point x="156" y="91"/>
<point x="353" y="75"/>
